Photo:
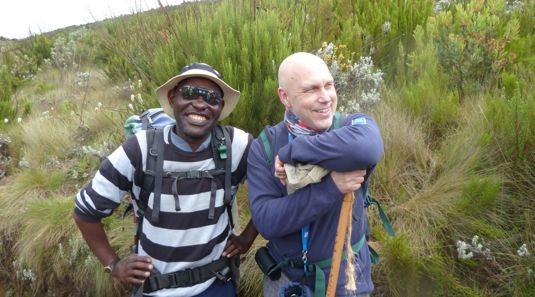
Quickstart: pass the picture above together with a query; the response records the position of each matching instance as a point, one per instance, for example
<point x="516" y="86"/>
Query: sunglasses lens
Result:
<point x="187" y="93"/>
<point x="210" y="98"/>
<point x="192" y="93"/>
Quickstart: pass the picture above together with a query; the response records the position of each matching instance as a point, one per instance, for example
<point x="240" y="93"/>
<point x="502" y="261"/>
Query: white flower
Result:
<point x="386" y="27"/>
<point x="132" y="97"/>
<point x="463" y="250"/>
<point x="83" y="78"/>
<point x="441" y="5"/>
<point x="515" y="5"/>
<point x="6" y="120"/>
<point x="139" y="84"/>
<point x="139" y="98"/>
<point x="474" y="240"/>
<point x="19" y="120"/>
<point x="99" y="105"/>
<point x="131" y="106"/>
<point x="523" y="251"/>
<point x="24" y="164"/>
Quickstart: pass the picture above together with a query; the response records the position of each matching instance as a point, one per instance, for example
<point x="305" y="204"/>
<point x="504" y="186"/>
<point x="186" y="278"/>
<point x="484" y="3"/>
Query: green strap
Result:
<point x="374" y="256"/>
<point x="319" y="290"/>
<point x="267" y="146"/>
<point x="369" y="199"/>
<point x="336" y="121"/>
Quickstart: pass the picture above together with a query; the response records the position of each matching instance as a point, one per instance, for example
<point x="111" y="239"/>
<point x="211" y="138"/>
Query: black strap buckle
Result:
<point x="224" y="275"/>
<point x="194" y="276"/>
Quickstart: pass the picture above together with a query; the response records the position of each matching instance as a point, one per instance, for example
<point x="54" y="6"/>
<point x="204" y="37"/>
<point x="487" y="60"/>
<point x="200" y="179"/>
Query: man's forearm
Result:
<point x="96" y="239"/>
<point x="345" y="149"/>
<point x="250" y="232"/>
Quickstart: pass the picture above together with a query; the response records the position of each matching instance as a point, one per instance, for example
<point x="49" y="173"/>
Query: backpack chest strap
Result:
<point x="170" y="181"/>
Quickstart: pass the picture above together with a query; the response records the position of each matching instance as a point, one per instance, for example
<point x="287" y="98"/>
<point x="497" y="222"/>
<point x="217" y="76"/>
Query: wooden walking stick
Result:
<point x="343" y="221"/>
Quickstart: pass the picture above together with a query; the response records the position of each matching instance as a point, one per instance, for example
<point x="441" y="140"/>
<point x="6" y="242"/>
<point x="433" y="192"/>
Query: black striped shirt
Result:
<point x="181" y="239"/>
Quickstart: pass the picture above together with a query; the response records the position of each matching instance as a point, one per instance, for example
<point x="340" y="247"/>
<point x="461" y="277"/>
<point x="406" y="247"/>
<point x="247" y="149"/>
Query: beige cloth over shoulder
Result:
<point x="302" y="175"/>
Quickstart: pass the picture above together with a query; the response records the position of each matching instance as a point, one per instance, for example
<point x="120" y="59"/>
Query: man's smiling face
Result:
<point x="195" y="118"/>
<point x="306" y="87"/>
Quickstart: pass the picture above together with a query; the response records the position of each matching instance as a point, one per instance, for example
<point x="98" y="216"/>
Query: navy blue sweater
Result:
<point x="279" y="217"/>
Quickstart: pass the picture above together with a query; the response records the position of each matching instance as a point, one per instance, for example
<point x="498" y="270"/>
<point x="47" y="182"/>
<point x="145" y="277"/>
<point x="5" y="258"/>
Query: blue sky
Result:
<point x="19" y="17"/>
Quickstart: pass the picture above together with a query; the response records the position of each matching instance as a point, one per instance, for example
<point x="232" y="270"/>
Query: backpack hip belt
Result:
<point x="189" y="277"/>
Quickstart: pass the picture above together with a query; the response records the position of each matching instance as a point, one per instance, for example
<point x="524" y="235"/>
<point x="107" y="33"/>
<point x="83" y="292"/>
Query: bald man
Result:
<point x="301" y="226"/>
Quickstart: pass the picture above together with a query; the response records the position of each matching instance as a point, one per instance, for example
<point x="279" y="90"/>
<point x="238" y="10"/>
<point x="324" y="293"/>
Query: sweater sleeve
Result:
<point x="98" y="198"/>
<point x="356" y="145"/>
<point x="274" y="212"/>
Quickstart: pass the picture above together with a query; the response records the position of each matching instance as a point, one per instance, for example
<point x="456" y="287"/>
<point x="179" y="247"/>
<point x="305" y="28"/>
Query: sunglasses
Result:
<point x="192" y="93"/>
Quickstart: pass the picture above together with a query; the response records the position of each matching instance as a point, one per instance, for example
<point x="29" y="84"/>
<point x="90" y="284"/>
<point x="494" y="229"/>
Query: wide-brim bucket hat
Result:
<point x="202" y="70"/>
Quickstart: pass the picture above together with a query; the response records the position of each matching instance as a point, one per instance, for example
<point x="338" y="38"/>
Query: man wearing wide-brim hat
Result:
<point x="182" y="179"/>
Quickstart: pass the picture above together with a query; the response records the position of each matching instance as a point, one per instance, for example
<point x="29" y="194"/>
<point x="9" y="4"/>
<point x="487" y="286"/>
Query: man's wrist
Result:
<point x="110" y="267"/>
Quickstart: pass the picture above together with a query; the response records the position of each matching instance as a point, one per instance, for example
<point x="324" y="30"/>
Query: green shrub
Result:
<point x="247" y="43"/>
<point x="511" y="122"/>
<point x="480" y="194"/>
<point x="472" y="39"/>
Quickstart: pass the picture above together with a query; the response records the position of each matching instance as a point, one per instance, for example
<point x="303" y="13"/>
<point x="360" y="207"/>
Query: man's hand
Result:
<point x="348" y="181"/>
<point x="133" y="269"/>
<point x="240" y="244"/>
<point x="279" y="170"/>
<point x="236" y="245"/>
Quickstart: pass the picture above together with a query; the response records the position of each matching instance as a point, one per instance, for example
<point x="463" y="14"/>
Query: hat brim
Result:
<point x="230" y="95"/>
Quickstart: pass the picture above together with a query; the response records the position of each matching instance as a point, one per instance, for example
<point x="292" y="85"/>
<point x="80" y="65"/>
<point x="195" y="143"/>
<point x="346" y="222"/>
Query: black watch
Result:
<point x="109" y="268"/>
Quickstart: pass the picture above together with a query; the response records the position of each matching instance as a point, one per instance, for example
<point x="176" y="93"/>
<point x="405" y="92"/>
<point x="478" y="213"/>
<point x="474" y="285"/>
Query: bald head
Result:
<point x="306" y="87"/>
<point x="296" y="64"/>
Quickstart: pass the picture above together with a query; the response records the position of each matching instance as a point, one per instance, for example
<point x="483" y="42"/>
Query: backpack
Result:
<point x="153" y="179"/>
<point x="266" y="140"/>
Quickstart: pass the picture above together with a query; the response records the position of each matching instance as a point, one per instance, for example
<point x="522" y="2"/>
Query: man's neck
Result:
<point x="189" y="145"/>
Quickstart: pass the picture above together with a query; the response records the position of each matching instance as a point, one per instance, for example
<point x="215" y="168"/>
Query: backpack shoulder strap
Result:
<point x="146" y="177"/>
<point x="337" y="120"/>
<point x="222" y="154"/>
<point x="265" y="139"/>
<point x="221" y="143"/>
<point x="228" y="166"/>
<point x="145" y="120"/>
<point x="154" y="167"/>
<point x="369" y="200"/>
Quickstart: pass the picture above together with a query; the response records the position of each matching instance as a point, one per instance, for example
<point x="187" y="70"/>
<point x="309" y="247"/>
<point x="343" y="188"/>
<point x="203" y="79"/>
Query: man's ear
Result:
<point x="170" y="97"/>
<point x="283" y="98"/>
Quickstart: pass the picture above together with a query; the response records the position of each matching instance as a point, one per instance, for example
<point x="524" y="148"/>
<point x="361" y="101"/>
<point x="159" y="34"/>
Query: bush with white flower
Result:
<point x="358" y="84"/>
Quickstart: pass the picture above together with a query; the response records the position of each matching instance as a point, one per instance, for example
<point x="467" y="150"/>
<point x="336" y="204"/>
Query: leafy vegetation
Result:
<point x="449" y="82"/>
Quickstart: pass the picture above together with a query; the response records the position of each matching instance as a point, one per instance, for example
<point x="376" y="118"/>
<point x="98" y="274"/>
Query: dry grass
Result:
<point x="408" y="160"/>
<point x="460" y="156"/>
<point x="47" y="138"/>
<point x="251" y="277"/>
<point x="47" y="223"/>
<point x="36" y="203"/>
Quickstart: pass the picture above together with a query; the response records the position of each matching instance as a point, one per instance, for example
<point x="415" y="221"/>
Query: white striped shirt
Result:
<point x="181" y="239"/>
